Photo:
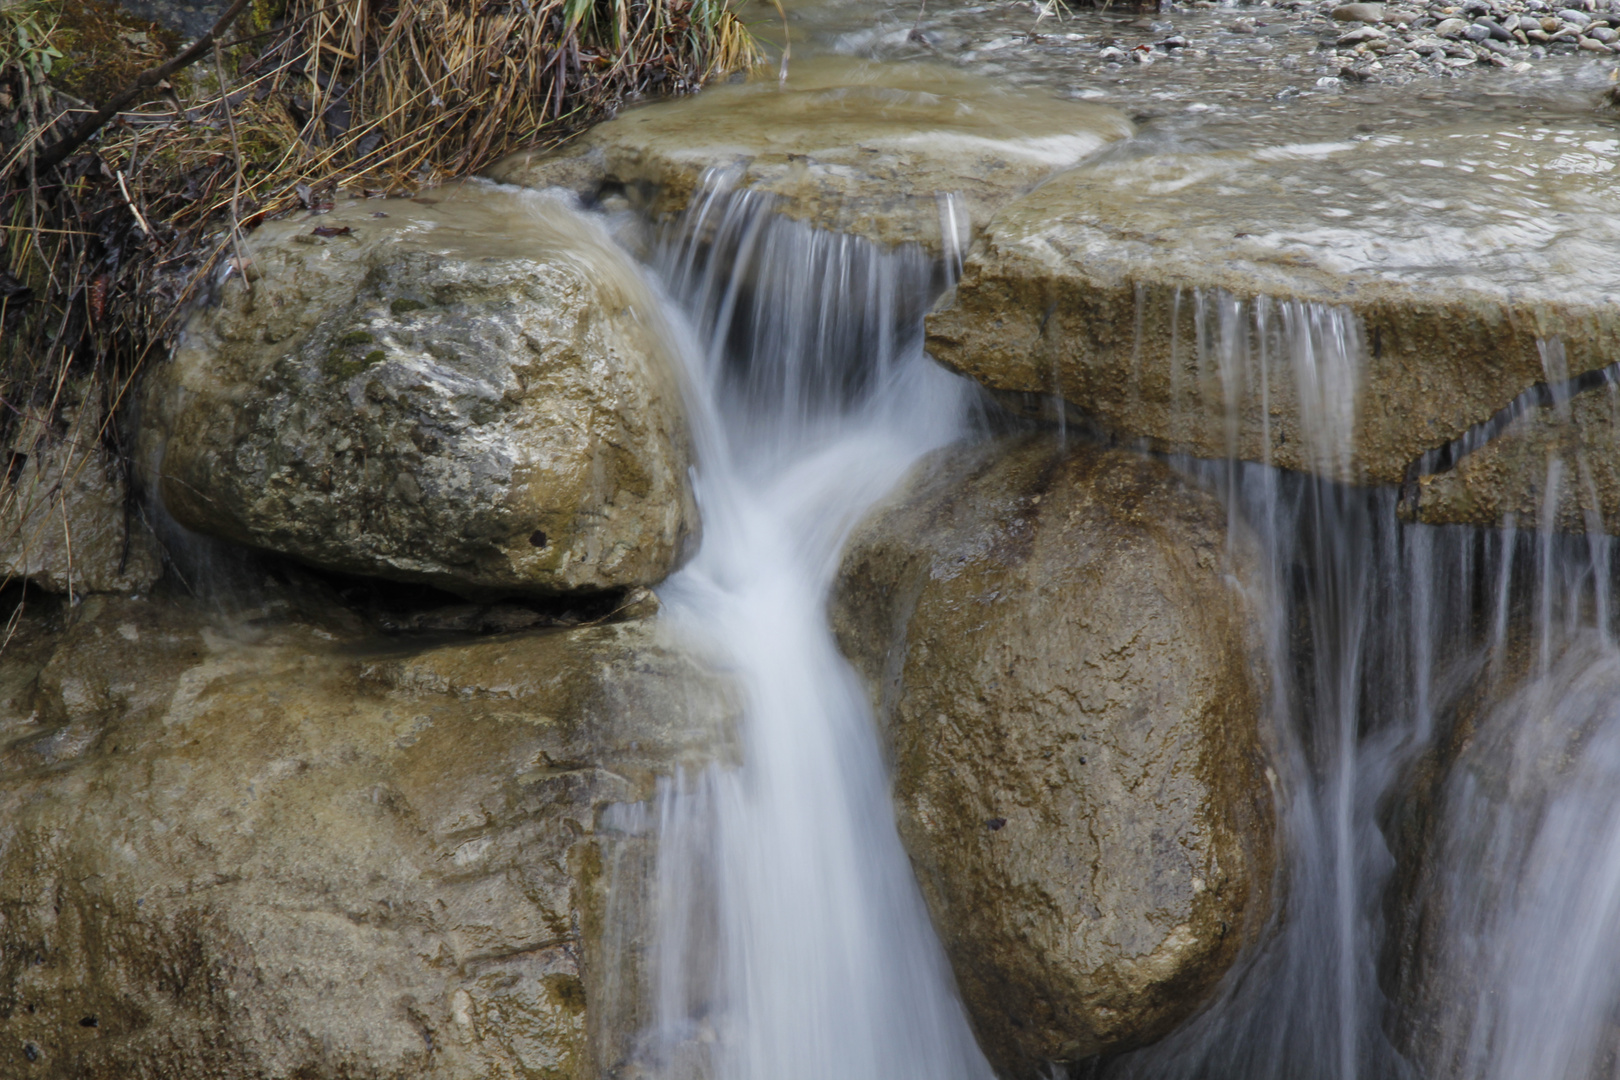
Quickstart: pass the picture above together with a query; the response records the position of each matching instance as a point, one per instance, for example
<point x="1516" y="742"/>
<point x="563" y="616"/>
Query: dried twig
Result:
<point x="236" y="180"/>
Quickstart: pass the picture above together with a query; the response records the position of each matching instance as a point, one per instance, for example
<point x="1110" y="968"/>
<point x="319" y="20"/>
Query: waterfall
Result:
<point x="793" y="941"/>
<point x="1430" y="925"/>
<point x="1385" y="633"/>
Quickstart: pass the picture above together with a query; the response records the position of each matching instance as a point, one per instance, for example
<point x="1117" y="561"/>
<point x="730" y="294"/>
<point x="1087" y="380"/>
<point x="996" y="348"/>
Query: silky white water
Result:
<point x="793" y="941"/>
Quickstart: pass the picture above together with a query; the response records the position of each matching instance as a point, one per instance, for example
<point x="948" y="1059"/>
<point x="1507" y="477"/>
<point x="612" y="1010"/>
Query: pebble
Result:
<point x="1451" y="27"/>
<point x="1367" y="13"/>
<point x="1355" y="37"/>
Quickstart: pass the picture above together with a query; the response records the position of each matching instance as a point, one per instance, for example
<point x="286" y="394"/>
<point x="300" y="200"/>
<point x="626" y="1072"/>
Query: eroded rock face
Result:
<point x="473" y="391"/>
<point x="1338" y="307"/>
<point x="1065" y="667"/>
<point x="66" y="523"/>
<point x="299" y="850"/>
<point x="868" y="149"/>
<point x="1556" y="464"/>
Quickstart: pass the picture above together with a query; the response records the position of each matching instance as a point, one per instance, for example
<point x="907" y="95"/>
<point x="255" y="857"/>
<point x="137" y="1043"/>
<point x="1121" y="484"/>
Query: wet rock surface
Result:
<point x="892" y="153"/>
<point x="192" y="20"/>
<point x="289" y="847"/>
<point x="470" y="390"/>
<point x="1064" y="664"/>
<point x="67" y="523"/>
<point x="1339" y="307"/>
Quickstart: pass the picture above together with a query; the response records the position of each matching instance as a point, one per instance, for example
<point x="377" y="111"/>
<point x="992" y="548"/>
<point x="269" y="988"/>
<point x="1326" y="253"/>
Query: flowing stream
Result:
<point x="793" y="943"/>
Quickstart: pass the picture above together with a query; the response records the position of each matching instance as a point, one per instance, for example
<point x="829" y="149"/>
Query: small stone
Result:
<point x="1364" y="33"/>
<point x="1493" y="29"/>
<point x="1605" y="34"/>
<point x="1477" y="33"/>
<point x="1451" y="28"/>
<point x="1240" y="26"/>
<point x="1575" y="18"/>
<point x="1591" y="45"/>
<point x="1366" y="13"/>
<point x="1111" y="54"/>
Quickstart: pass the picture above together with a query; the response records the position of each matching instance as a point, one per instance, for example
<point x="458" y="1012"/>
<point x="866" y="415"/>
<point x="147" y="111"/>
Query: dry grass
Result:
<point x="103" y="253"/>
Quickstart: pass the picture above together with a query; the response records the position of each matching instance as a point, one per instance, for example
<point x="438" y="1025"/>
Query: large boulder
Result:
<point x="67" y="524"/>
<point x="471" y="390"/>
<point x="299" y="849"/>
<point x="894" y="153"/>
<point x="1338" y="307"/>
<point x="1067" y="669"/>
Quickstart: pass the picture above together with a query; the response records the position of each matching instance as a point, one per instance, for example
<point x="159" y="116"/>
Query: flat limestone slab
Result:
<point x="856" y="147"/>
<point x="1337" y="307"/>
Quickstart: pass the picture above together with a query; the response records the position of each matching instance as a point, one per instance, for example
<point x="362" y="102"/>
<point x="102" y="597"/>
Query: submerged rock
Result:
<point x="1337" y="307"/>
<point x="295" y="850"/>
<point x="894" y="153"/>
<point x="1065" y="667"/>
<point x="471" y="390"/>
<point x="1503" y="957"/>
<point x="66" y="522"/>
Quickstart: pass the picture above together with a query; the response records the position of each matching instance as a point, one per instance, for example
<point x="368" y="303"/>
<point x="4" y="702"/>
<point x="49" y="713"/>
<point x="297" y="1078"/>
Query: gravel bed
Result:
<point x="1362" y="42"/>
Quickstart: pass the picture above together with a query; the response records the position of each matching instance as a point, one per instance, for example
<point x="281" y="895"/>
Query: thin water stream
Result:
<point x="1436" y="921"/>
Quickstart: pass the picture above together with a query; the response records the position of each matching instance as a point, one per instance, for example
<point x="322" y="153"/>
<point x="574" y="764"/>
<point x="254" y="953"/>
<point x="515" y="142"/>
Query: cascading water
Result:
<point x="793" y="940"/>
